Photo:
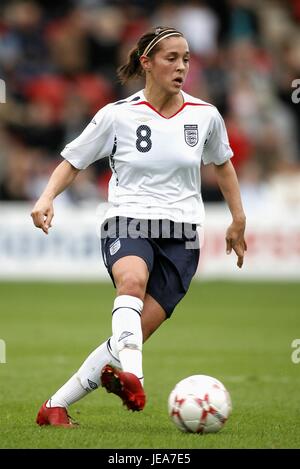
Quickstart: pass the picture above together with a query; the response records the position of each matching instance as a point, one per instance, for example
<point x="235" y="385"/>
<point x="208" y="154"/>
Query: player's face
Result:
<point x="170" y="64"/>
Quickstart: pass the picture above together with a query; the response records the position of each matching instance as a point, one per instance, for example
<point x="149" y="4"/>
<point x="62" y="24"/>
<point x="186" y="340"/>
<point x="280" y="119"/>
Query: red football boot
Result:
<point x="125" y="385"/>
<point x="56" y="416"/>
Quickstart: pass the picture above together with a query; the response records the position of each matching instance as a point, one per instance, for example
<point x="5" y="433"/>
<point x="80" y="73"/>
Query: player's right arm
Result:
<point x="95" y="142"/>
<point x="60" y="179"/>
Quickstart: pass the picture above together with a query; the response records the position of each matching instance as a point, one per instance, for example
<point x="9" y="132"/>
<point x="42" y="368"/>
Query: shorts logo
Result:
<point x="114" y="247"/>
<point x="191" y="134"/>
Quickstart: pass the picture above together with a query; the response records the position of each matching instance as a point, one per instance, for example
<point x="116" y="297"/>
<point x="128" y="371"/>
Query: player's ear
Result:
<point x="145" y="63"/>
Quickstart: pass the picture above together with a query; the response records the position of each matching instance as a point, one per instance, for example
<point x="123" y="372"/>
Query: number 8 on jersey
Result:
<point x="143" y="142"/>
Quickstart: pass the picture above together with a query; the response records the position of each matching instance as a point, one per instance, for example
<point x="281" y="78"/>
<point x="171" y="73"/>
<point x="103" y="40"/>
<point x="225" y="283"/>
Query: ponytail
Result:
<point x="132" y="69"/>
<point x="147" y="45"/>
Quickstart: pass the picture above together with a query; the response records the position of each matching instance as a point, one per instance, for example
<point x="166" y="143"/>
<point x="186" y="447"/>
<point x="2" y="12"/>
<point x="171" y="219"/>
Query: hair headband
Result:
<point x="157" y="39"/>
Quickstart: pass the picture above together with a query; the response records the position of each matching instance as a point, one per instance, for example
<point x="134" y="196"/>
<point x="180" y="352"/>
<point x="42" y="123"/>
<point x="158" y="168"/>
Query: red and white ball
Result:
<point x="199" y="404"/>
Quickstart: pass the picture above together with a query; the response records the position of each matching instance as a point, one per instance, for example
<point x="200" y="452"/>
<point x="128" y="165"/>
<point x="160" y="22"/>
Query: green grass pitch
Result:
<point x="241" y="333"/>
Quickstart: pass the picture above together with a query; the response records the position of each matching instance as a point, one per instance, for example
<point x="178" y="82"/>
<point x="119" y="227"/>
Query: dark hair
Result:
<point x="133" y="69"/>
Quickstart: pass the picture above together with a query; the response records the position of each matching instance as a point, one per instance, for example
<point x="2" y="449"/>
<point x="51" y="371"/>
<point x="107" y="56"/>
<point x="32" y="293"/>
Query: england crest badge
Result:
<point x="191" y="135"/>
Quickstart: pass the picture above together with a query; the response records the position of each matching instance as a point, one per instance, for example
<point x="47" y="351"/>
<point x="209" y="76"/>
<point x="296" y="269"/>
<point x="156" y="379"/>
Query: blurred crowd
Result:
<point x="59" y="59"/>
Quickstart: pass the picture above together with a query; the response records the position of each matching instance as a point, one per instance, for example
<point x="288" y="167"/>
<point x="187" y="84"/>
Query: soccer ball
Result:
<point x="199" y="404"/>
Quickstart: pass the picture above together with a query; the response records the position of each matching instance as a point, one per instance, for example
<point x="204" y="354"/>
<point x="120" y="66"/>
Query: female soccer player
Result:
<point x="155" y="141"/>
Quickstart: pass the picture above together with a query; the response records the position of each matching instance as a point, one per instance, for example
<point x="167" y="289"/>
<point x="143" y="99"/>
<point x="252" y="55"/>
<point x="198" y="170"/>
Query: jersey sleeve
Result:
<point x="95" y="142"/>
<point x="216" y="148"/>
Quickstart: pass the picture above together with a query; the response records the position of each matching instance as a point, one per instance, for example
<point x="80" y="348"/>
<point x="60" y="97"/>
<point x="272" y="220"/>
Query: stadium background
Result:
<point x="58" y="62"/>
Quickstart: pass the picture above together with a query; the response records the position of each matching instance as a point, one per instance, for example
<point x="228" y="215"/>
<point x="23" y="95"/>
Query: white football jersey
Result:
<point x="155" y="161"/>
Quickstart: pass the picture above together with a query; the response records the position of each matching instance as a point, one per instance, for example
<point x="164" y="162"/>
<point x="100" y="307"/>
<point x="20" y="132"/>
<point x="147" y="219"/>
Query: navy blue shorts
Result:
<point x="170" y="250"/>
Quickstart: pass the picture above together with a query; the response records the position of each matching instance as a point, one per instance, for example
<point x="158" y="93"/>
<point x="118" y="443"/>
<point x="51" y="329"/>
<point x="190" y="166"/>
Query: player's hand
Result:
<point x="235" y="240"/>
<point x="42" y="214"/>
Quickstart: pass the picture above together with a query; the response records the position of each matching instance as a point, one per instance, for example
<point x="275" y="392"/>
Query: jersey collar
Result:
<point x="146" y="103"/>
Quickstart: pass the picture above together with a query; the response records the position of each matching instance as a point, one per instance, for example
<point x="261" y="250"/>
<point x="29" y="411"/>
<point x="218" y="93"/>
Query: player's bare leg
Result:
<point x="153" y="316"/>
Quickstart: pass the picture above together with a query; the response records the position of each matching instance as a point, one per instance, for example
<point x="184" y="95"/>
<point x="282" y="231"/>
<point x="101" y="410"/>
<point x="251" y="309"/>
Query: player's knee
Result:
<point x="131" y="283"/>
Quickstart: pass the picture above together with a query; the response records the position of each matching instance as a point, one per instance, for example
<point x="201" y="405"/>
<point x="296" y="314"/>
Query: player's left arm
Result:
<point x="235" y="234"/>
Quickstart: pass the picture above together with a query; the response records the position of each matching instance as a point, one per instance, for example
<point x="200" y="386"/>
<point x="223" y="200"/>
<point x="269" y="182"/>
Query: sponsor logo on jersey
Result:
<point x="143" y="119"/>
<point x="114" y="247"/>
<point x="191" y="135"/>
